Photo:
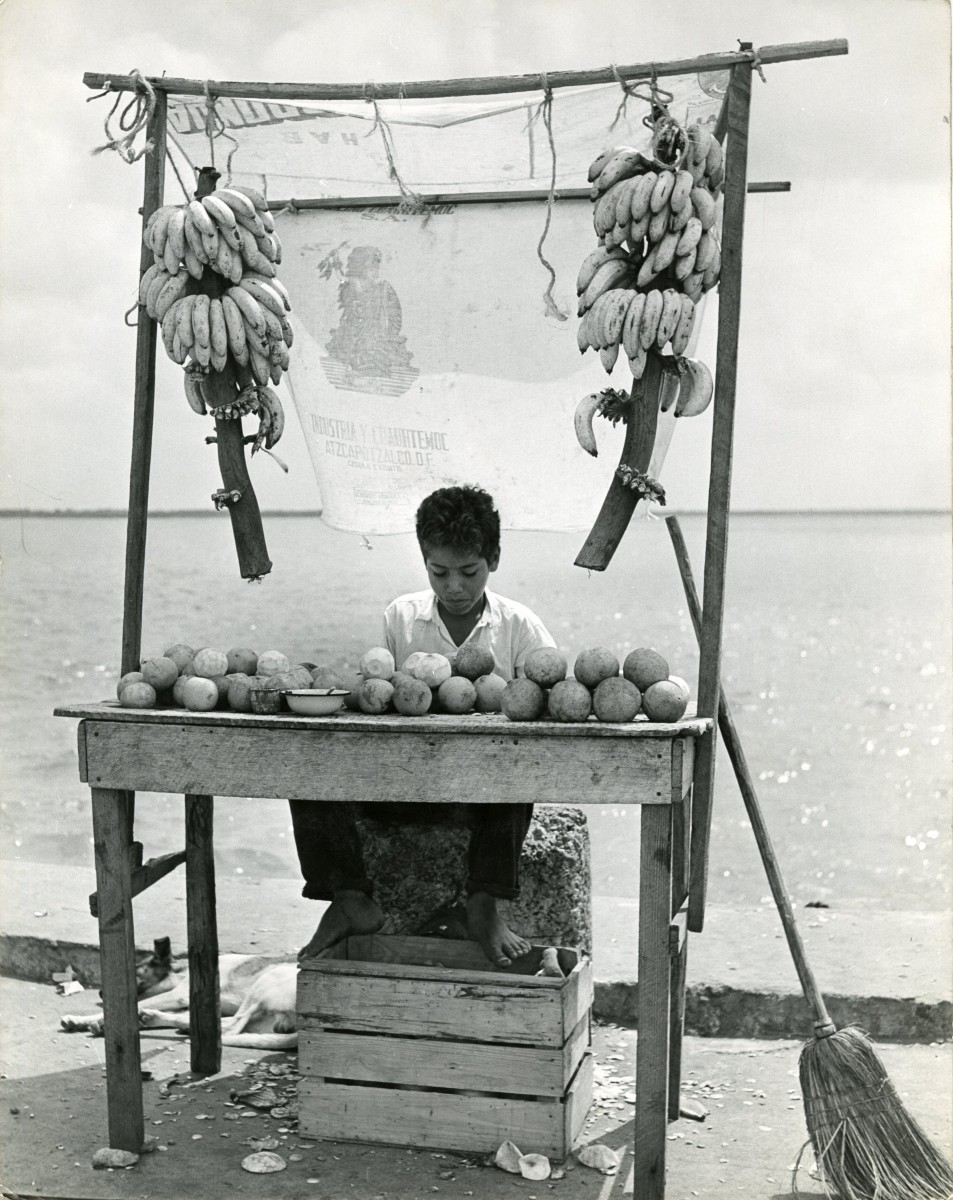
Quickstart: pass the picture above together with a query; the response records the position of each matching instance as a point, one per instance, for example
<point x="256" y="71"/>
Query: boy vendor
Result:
<point x="458" y="530"/>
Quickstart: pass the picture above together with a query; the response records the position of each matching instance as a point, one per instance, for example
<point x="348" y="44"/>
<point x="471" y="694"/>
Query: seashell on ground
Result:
<point x="263" y="1163"/>
<point x="106" y="1158"/>
<point x="600" y="1157"/>
<point x="535" y="1166"/>
<point x="508" y="1158"/>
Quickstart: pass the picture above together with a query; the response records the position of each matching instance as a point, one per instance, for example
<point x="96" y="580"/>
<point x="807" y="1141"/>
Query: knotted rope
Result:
<point x="134" y="117"/>
<point x="645" y="90"/>
<point x="545" y="110"/>
<point x="215" y="127"/>
<point x="411" y="202"/>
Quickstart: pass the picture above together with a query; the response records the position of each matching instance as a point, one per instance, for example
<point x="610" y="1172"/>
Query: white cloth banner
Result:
<point x="424" y="357"/>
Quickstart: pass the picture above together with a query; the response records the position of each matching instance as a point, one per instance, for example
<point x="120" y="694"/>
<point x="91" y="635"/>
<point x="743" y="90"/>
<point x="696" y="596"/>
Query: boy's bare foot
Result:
<point x="485" y="925"/>
<point x="348" y="913"/>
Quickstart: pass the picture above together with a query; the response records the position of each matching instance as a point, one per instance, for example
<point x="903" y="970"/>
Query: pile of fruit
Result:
<point x="214" y="291"/>
<point x="203" y="679"/>
<point x="599" y="686"/>
<point x="427" y="682"/>
<point x="658" y="248"/>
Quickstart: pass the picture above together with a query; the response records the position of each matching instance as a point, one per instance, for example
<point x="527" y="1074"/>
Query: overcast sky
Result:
<point x="844" y="392"/>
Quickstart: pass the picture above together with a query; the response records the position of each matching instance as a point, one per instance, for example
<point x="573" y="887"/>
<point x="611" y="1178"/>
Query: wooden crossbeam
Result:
<point x="144" y="876"/>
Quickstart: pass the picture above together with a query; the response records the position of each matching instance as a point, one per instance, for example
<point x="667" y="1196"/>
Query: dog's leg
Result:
<point x="154" y="1018"/>
<point x="262" y="1041"/>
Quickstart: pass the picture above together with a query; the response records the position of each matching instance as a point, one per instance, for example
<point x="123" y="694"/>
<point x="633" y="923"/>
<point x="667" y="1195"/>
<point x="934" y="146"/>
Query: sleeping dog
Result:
<point x="257" y="998"/>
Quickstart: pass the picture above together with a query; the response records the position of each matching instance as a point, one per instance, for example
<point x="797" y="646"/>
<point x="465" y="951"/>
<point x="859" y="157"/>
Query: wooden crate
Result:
<point x="420" y="1042"/>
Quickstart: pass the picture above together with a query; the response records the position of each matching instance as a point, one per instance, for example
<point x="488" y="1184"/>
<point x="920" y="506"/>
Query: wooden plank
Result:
<point x="444" y="952"/>
<point x="202" y="932"/>
<point x="487" y="86"/>
<point x="719" y="488"/>
<point x="431" y="1063"/>
<point x="117" y="948"/>
<point x="494" y="977"/>
<point x="469" y="1011"/>
<point x="578" y="1101"/>
<point x="652" y="1048"/>
<point x="577" y="996"/>
<point x="678" y="947"/>
<point x="250" y="761"/>
<point x="81" y="750"/>
<point x="473" y="724"/>
<point x="145" y="876"/>
<point x="436" y="1120"/>
<point x="688" y="765"/>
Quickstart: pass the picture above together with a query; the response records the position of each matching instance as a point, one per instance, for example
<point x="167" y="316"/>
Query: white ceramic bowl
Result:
<point x="314" y="702"/>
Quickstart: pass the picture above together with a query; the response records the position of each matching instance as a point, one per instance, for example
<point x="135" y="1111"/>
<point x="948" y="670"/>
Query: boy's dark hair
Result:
<point x="463" y="518"/>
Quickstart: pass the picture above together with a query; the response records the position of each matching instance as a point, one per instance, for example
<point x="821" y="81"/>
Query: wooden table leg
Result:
<point x="205" y="1016"/>
<point x="117" y="951"/>
<point x="652" y="1047"/>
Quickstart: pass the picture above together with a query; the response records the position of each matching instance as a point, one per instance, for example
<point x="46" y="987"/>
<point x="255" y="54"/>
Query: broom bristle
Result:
<point x="867" y="1146"/>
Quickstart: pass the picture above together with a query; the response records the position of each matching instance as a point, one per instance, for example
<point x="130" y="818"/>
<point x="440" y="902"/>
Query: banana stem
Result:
<point x="620" y="501"/>
<point x="219" y="388"/>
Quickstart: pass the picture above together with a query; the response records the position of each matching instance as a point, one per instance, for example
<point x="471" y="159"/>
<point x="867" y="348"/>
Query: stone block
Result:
<point x="420" y="870"/>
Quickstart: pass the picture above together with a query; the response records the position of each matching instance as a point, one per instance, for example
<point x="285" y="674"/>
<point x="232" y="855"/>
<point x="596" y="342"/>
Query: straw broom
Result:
<point x="866" y="1145"/>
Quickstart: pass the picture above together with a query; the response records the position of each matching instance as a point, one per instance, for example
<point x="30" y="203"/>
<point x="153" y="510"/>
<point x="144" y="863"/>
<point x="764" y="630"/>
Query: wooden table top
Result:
<point x="429" y="725"/>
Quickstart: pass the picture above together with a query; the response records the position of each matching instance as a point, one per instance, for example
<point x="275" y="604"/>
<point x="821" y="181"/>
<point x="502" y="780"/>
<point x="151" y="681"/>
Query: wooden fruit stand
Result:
<point x="666" y="769"/>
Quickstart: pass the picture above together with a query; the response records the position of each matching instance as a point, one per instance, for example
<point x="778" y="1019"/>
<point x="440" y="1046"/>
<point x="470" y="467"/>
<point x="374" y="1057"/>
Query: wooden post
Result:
<point x="652" y="1047"/>
<point x="719" y="487"/>
<point x="143" y="406"/>
<point x="202" y="932"/>
<point x="117" y="951"/>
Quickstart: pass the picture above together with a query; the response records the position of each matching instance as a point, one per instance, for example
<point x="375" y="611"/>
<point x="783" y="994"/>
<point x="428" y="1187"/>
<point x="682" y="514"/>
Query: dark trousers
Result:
<point x="329" y="844"/>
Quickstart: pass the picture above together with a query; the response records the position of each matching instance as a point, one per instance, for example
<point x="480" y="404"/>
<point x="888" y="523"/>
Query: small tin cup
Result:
<point x="265" y="703"/>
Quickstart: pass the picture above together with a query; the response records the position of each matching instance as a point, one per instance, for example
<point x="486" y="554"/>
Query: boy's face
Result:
<point x="457" y="577"/>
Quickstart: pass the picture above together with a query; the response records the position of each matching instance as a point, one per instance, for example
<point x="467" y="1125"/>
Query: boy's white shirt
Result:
<point x="508" y="629"/>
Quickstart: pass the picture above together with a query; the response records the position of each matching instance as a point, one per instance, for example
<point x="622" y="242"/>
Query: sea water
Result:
<point x="836" y="664"/>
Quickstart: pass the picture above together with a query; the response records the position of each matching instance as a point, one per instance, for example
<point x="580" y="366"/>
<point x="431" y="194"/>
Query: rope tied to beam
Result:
<point x="215" y="127"/>
<point x="411" y="201"/>
<point x="134" y="118"/>
<point x="545" y="110"/>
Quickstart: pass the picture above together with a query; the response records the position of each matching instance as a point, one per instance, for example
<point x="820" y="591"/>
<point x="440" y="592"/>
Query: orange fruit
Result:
<point x="569" y="701"/>
<point x="489" y="690"/>
<point x="592" y="666"/>
<point x="457" y="695"/>
<point x="643" y="667"/>
<point x="241" y="661"/>
<point x="200" y="694"/>
<point x="664" y="701"/>
<point x="161" y="672"/>
<point x="472" y="661"/>
<point x="545" y="666"/>
<point x="411" y="697"/>
<point x="208" y="663"/>
<point x="616" y="699"/>
<point x="138" y="695"/>
<point x="523" y="700"/>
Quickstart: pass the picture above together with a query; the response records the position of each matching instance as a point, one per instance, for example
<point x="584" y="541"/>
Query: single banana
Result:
<point x="696" y="390"/>
<point x="691" y="235"/>
<point x="192" y="264"/>
<point x="594" y="320"/>
<point x="603" y="211"/>
<point x="267" y="247"/>
<point x="222" y="262"/>
<point x="658" y="225"/>
<point x="260" y="366"/>
<point x="253" y="256"/>
<point x="637" y="363"/>
<point x="235" y="329"/>
<point x="274" y="372"/>
<point x="257" y="343"/>
<point x="193" y="389"/>
<point x="623" y="164"/>
<point x="616" y="236"/>
<point x="278" y="356"/>
<point x="609" y="275"/>
<point x="161" y="278"/>
<point x="639" y="229"/>
<point x="681" y="216"/>
<point x="154" y="233"/>
<point x="595" y="167"/>
<point x="224" y="218"/>
<point x="684" y="265"/>
<point x="201" y="217"/>
<point x="193" y="236"/>
<point x="202" y="344"/>
<point x="712" y="272"/>
<point x="146" y="280"/>
<point x="647" y="270"/>
<point x="662" y="192"/>
<point x="683" y="328"/>
<point x="665" y="252"/>
<point x="267" y="220"/>
<point x="651" y="316"/>
<point x="631" y="324"/>
<point x="275" y="284"/>
<point x="704" y="251"/>
<point x="671" y="311"/>
<point x="170" y="259"/>
<point x="614" y="317"/>
<point x="692" y="285"/>
<point x="287" y="333"/>
<point x="714" y="158"/>
<point x="586" y="409"/>
<point x="714" y="181"/>
<point x="668" y="388"/>
<point x="582" y="333"/>
<point x="167" y="332"/>
<point x="175" y="233"/>
<point x="250" y="310"/>
<point x="609" y="355"/>
<point x="684" y="182"/>
<point x="173" y="290"/>
<point x="704" y="206"/>
<point x="264" y="294"/>
<point x="183" y="321"/>
<point x="590" y="264"/>
<point x="273" y="334"/>
<point x="259" y="201"/>
<point x="210" y="243"/>
<point x="272" y="405"/>
<point x="276" y="242"/>
<point x="218" y="334"/>
<point x="700" y="140"/>
<point x="642" y="195"/>
<point x="238" y="202"/>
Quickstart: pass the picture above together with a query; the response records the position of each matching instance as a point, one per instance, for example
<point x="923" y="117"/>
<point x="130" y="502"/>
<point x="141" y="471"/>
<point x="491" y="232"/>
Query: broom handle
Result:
<point x="823" y="1025"/>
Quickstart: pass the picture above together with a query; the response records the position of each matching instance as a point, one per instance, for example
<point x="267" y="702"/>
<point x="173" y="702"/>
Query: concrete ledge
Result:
<point x="888" y="972"/>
